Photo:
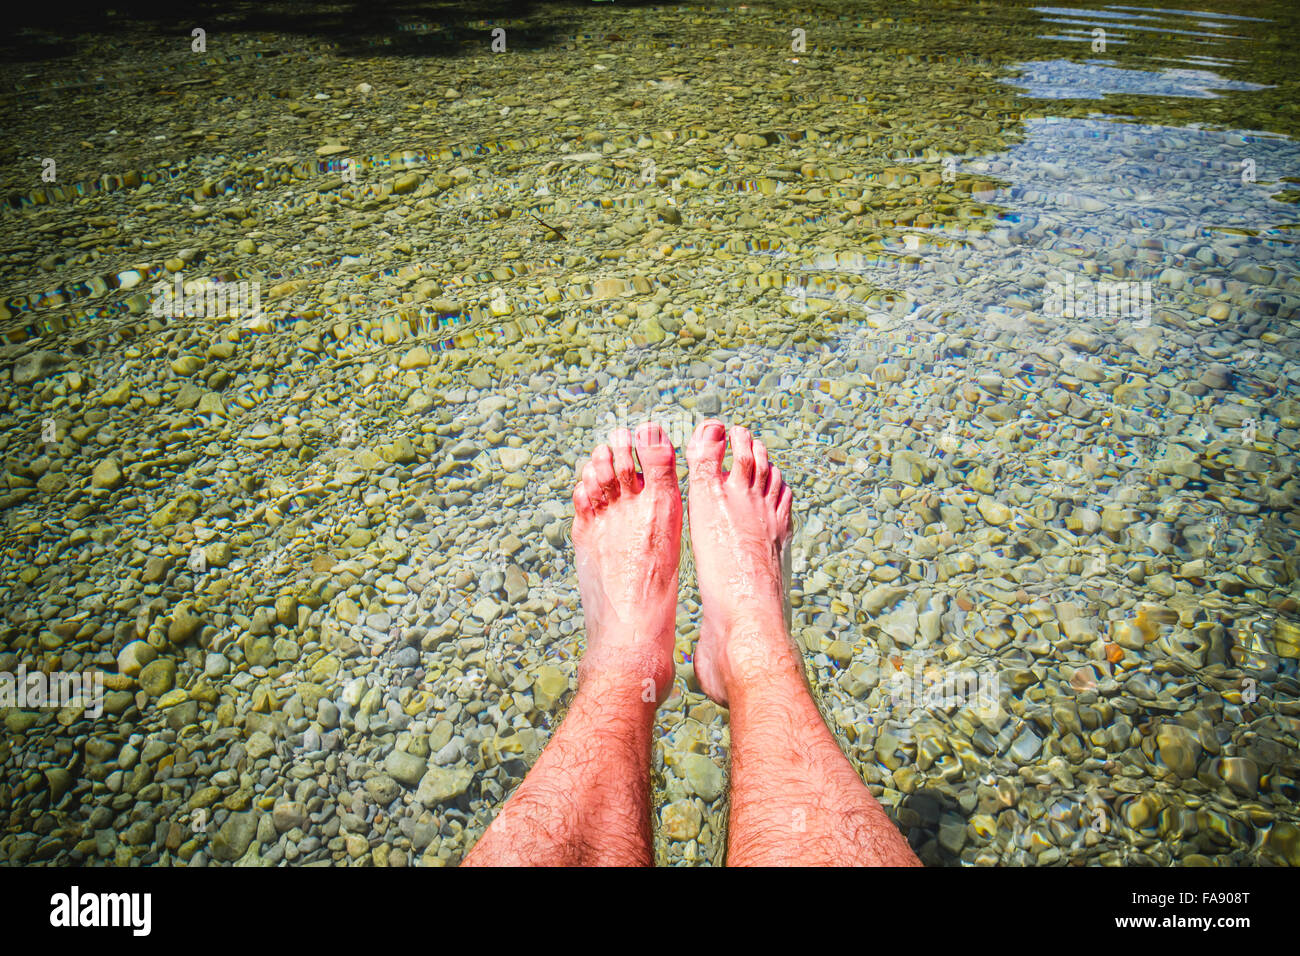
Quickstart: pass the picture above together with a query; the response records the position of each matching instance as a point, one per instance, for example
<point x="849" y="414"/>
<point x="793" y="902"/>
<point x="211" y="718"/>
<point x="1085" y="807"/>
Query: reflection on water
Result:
<point x="1116" y="20"/>
<point x="1126" y="13"/>
<point x="1065" y="79"/>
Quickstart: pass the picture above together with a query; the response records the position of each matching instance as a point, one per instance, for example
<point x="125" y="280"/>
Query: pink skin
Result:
<point x="627" y="532"/>
<point x="795" y="798"/>
<point x="587" y="799"/>
<point x="740" y="533"/>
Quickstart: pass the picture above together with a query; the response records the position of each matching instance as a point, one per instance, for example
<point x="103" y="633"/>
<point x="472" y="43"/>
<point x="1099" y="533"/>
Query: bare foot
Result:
<point x="627" y="532"/>
<point x="740" y="532"/>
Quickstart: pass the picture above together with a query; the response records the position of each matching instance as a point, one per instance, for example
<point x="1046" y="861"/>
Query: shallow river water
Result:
<point x="1009" y="291"/>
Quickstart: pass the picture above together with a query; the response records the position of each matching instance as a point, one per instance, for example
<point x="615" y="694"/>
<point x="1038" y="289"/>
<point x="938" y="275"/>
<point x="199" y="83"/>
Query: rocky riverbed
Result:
<point x="315" y="539"/>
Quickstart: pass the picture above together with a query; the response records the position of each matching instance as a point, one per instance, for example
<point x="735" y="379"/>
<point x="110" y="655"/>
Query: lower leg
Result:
<point x="587" y="799"/>
<point x="795" y="798"/>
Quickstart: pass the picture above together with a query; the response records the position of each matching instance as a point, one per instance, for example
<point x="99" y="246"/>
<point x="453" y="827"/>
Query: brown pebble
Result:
<point x="175" y="836"/>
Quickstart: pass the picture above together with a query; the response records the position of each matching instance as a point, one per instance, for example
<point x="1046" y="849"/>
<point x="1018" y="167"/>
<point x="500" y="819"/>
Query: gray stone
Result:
<point x="327" y="714"/>
<point x="288" y="814"/>
<point x="441" y="784"/>
<point x="234" y="837"/>
<point x="383" y="789"/>
<point x="216" y="665"/>
<point x="405" y="768"/>
<point x="35" y="366"/>
<point x="704" y="777"/>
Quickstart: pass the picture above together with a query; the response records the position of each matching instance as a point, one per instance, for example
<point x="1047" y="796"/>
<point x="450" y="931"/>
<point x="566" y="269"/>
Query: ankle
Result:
<point x="757" y="653"/>
<point x="643" y="683"/>
<point x="773" y="685"/>
<point x="756" y="630"/>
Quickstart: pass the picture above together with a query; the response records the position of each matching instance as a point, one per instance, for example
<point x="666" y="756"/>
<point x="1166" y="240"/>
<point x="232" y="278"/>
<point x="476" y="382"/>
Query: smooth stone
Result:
<point x="993" y="511"/>
<point x="441" y="784"/>
<point x="516" y="585"/>
<point x="406" y="183"/>
<point x="549" y="685"/>
<point x="288" y="815"/>
<point x="219" y="554"/>
<point x="1179" y="749"/>
<point x="185" y="624"/>
<point x="512" y="459"/>
<point x="449" y="753"/>
<point x="900" y="623"/>
<point x="35" y="366"/>
<point x="417" y="357"/>
<point x="681" y="820"/>
<point x="158" y="677"/>
<point x="908" y="467"/>
<point x="327" y="714"/>
<point x="1241" y="774"/>
<point x="259" y="745"/>
<point x="405" y="768"/>
<point x="210" y="403"/>
<point x="383" y="789"/>
<point x="1025" y="747"/>
<point x="133" y="658"/>
<point x="1284" y="841"/>
<point x="234" y="837"/>
<point x="59" y="780"/>
<point x="260" y="652"/>
<point x="107" y="475"/>
<point x="881" y="597"/>
<point x="487" y="610"/>
<point x="704" y="777"/>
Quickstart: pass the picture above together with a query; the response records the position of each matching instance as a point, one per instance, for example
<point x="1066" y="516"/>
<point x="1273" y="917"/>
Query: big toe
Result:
<point x="655" y="451"/>
<point x="705" y="452"/>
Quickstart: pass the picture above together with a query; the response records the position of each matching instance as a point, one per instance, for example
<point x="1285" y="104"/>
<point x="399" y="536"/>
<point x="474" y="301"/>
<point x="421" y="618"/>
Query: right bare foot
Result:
<point x="740" y="533"/>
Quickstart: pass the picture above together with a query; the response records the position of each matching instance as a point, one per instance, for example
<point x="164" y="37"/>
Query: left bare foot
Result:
<point x="627" y="532"/>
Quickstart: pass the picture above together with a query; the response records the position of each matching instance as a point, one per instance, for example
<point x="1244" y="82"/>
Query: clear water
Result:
<point x="1089" y="511"/>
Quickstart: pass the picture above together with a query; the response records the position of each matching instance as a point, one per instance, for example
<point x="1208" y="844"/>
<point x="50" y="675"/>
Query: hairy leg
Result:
<point x="587" y="799"/>
<point x="795" y="798"/>
<point x="586" y="802"/>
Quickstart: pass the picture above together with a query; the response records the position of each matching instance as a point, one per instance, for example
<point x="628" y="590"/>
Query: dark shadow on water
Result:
<point x="45" y="31"/>
<point x="918" y="816"/>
